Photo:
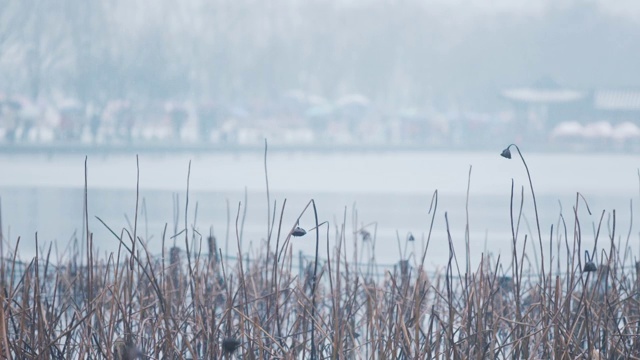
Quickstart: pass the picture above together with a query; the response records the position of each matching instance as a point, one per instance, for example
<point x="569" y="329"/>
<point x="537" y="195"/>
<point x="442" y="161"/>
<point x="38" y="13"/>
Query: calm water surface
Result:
<point x="389" y="193"/>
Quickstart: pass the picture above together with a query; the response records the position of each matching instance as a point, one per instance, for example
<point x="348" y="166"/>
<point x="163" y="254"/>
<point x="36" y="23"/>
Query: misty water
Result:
<point x="388" y="193"/>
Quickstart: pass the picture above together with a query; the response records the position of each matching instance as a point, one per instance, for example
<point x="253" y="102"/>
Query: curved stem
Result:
<point x="313" y="291"/>
<point x="535" y="208"/>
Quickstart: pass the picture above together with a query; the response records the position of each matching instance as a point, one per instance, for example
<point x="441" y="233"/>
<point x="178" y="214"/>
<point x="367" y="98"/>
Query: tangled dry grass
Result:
<point x="183" y="304"/>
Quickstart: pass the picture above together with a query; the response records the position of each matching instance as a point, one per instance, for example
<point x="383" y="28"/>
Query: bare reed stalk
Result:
<point x="77" y="304"/>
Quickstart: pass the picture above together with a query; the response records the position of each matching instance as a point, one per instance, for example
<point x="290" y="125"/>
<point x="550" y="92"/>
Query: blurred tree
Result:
<point x="407" y="53"/>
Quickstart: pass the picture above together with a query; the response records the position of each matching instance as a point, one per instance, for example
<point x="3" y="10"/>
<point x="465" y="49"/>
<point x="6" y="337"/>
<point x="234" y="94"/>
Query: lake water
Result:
<point x="391" y="190"/>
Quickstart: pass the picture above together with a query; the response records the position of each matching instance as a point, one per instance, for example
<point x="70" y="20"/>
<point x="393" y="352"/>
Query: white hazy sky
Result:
<point x="626" y="8"/>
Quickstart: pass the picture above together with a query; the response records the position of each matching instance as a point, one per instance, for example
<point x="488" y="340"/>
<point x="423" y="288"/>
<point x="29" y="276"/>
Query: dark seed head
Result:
<point x="411" y="238"/>
<point x="404" y="267"/>
<point x="119" y="349"/>
<point x="230" y="345"/>
<point x="298" y="231"/>
<point x="590" y="267"/>
<point x="506" y="283"/>
<point x="211" y="241"/>
<point x="125" y="351"/>
<point x="506" y="153"/>
<point x="366" y="236"/>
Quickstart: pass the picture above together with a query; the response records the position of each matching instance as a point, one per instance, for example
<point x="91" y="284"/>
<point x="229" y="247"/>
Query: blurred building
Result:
<point x="542" y="106"/>
<point x="550" y="115"/>
<point x="616" y="106"/>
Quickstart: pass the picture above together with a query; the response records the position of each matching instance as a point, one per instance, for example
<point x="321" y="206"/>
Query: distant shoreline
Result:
<point x="184" y="148"/>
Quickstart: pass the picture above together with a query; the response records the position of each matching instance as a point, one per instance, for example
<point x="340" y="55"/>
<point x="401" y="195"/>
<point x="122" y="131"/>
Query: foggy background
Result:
<point x="446" y="54"/>
<point x="406" y="95"/>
